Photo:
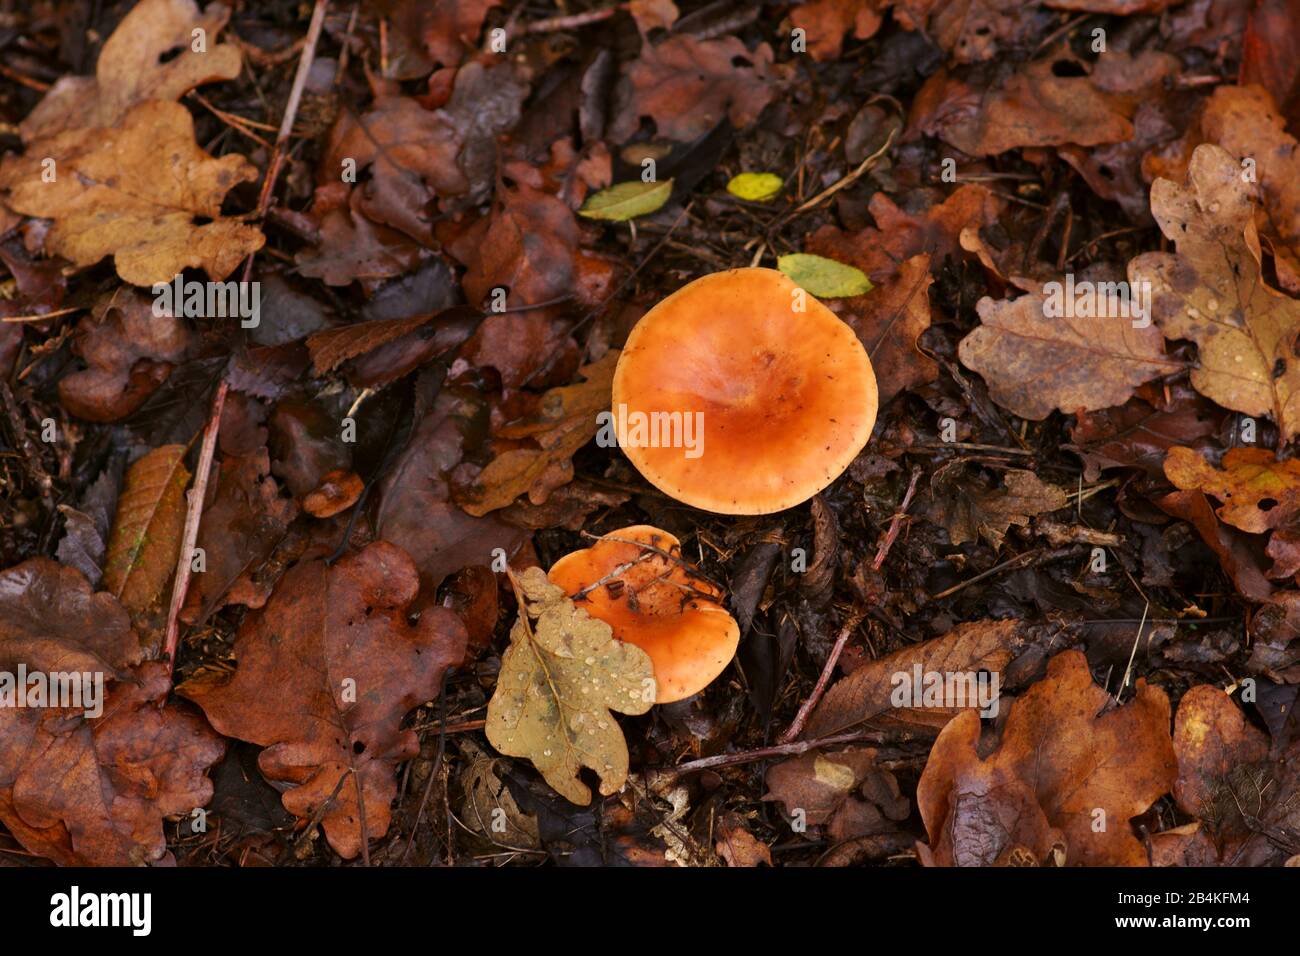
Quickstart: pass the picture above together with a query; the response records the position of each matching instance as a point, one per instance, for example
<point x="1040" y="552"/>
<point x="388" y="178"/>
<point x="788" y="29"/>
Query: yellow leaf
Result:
<point x="756" y="187"/>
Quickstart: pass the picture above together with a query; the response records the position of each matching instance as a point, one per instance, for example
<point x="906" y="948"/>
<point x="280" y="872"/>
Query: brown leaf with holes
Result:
<point x="1065" y="754"/>
<point x="131" y="68"/>
<point x="867" y="692"/>
<point x="129" y="352"/>
<point x="146" y="538"/>
<point x="566" y="422"/>
<point x="134" y="192"/>
<point x="347" y="666"/>
<point x="1258" y="491"/>
<point x="95" y="791"/>
<point x="239" y="529"/>
<point x="1035" y="362"/>
<point x="1212" y="292"/>
<point x="889" y="321"/>
<point x="720" y="79"/>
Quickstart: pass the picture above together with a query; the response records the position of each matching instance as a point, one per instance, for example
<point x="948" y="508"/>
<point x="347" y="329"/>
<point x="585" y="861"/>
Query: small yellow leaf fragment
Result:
<point x="755" y="187"/>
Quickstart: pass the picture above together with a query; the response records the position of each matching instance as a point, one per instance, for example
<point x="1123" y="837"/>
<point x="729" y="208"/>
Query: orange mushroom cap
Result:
<point x="655" y="602"/>
<point x="787" y="398"/>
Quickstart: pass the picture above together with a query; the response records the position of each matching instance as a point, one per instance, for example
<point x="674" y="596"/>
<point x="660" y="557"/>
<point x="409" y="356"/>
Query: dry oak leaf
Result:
<point x="1211" y="291"/>
<point x="889" y="321"/>
<point x="971" y="513"/>
<point x="327" y="671"/>
<point x="825" y="22"/>
<point x="133" y="192"/>
<point x="94" y="792"/>
<point x="828" y="789"/>
<point x="1034" y="364"/>
<point x="1245" y="122"/>
<point x="1258" y="491"/>
<point x="1030" y="107"/>
<point x="131" y="70"/>
<point x="688" y="86"/>
<point x="899" y="236"/>
<point x="566" y="422"/>
<point x="147" y="528"/>
<point x="867" y="692"/>
<point x="51" y="620"/>
<point x="560" y="678"/>
<point x="1059" y="748"/>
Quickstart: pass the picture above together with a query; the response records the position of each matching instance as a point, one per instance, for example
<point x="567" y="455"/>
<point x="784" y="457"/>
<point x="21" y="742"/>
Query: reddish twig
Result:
<point x="801" y="718"/>
<point x="765" y="753"/>
<point x="894" y="525"/>
<point x="192" y="517"/>
<point x="291" y="108"/>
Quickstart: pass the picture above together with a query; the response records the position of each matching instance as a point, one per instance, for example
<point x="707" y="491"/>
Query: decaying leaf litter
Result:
<point x="448" y="211"/>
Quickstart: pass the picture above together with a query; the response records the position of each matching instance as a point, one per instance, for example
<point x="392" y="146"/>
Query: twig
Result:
<point x="1019" y="559"/>
<point x="573" y="21"/>
<point x="894" y="525"/>
<point x="764" y="753"/>
<point x="801" y="718"/>
<point x="851" y="178"/>
<point x="192" y="517"/>
<point x="291" y="108"/>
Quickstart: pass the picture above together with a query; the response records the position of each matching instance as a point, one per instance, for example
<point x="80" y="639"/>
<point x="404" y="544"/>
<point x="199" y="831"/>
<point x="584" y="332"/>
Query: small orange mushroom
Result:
<point x="635" y="581"/>
<point x="779" y="388"/>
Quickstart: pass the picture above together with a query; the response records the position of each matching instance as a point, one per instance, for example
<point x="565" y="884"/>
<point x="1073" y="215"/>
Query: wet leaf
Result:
<point x="146" y="537"/>
<point x="824" y="278"/>
<point x="1258" y="491"/>
<point x="624" y="201"/>
<point x="560" y="678"/>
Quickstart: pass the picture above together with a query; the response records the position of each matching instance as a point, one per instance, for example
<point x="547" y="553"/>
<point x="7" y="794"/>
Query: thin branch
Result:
<point x="823" y="681"/>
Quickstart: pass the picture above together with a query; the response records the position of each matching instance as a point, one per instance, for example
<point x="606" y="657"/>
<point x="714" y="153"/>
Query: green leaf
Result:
<point x="824" y="278"/>
<point x="756" y="187"/>
<point x="624" y="201"/>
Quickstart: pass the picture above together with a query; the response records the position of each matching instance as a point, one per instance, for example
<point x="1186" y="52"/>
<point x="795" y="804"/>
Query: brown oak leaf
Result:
<point x="1064" y="763"/>
<point x="889" y="321"/>
<point x="1212" y="292"/>
<point x="133" y="191"/>
<point x="969" y="511"/>
<point x="346" y="666"/>
<point x="1258" y="491"/>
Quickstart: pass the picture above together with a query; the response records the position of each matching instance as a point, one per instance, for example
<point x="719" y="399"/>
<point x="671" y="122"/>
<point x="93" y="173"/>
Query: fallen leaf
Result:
<point x="560" y="678"/>
<point x="624" y="201"/>
<point x="147" y="530"/>
<point x="824" y="278"/>
<point x="239" y="529"/>
<point x="1233" y="548"/>
<point x="738" y="847"/>
<point x="134" y="192"/>
<point x="336" y="644"/>
<point x="755" y="187"/>
<point x="128" y="351"/>
<point x="566" y="422"/>
<point x="1211" y="291"/>
<point x="1035" y="363"/>
<point x="719" y="79"/>
<point x="1031" y="106"/>
<point x="1139" y="434"/>
<point x="51" y="620"/>
<point x="970" y="512"/>
<point x="825" y="22"/>
<point x="131" y="67"/>
<point x="95" y="792"/>
<point x="1258" y="491"/>
<point x="1075" y="763"/>
<point x="899" y="235"/>
<point x="890" y="321"/>
<point x="828" y="789"/>
<point x="867" y="692"/>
